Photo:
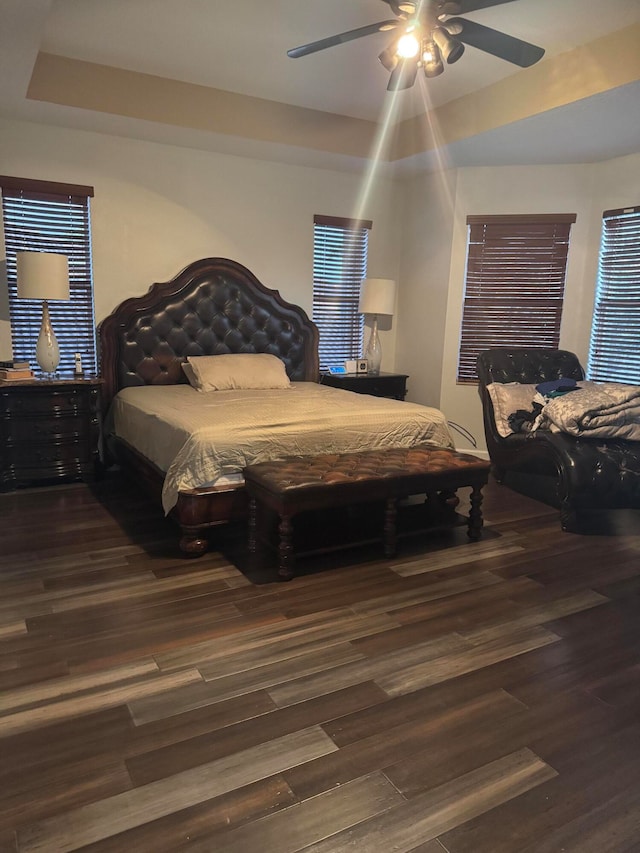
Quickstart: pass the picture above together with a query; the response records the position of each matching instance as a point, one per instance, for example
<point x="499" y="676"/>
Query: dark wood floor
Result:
<point x="462" y="697"/>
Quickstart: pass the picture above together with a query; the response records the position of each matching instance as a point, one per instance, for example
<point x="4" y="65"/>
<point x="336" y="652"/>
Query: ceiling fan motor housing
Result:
<point x="439" y="37"/>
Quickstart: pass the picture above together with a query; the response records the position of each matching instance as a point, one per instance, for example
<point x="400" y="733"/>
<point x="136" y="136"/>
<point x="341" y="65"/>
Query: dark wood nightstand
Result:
<point x="49" y="431"/>
<point x="382" y="385"/>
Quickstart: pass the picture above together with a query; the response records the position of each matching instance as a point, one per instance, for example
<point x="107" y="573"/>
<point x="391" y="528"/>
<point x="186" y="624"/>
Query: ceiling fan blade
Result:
<point x="341" y="38"/>
<point x="463" y="7"/>
<point x="403" y="75"/>
<point x="498" y="44"/>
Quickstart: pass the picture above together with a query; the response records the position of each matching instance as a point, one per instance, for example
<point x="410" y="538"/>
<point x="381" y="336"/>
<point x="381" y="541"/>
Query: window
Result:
<point x="51" y="217"/>
<point x="514" y="284"/>
<point x="614" y="352"/>
<point x="339" y="265"/>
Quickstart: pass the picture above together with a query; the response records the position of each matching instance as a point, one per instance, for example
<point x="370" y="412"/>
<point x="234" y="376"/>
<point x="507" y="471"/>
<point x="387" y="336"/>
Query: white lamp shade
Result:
<point x="42" y="275"/>
<point x="377" y="296"/>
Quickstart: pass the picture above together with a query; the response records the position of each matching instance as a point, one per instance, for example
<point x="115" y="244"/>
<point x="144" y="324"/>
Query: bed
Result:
<point x="187" y="444"/>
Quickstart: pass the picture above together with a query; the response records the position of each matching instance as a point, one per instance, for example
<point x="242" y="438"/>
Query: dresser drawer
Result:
<point x="42" y="456"/>
<point x="43" y="430"/>
<point x="49" y="430"/>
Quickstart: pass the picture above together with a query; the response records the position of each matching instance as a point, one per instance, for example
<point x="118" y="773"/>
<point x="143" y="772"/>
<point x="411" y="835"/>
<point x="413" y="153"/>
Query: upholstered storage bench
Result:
<point x="297" y="484"/>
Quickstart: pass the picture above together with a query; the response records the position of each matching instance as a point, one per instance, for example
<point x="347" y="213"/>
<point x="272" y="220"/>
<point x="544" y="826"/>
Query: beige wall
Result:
<point x="427" y="211"/>
<point x="158" y="207"/>
<point x="585" y="190"/>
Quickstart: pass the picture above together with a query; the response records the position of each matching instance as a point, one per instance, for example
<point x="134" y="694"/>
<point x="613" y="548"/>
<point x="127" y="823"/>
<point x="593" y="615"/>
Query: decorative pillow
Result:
<point x="507" y="398"/>
<point x="236" y="371"/>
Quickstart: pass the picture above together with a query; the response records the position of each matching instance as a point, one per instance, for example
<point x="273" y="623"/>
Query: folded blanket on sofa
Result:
<point x="598" y="410"/>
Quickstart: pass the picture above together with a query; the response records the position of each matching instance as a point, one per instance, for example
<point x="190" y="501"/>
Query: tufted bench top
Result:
<point x="399" y="464"/>
<point x="300" y="483"/>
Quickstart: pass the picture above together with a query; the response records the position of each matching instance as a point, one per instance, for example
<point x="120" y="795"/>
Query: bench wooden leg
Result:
<point x="286" y="564"/>
<point x="475" y="514"/>
<point x="448" y="498"/>
<point x="390" y="518"/>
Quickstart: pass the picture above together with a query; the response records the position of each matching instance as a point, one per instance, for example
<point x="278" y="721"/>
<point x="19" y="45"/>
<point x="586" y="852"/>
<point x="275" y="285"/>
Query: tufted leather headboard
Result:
<point x="213" y="306"/>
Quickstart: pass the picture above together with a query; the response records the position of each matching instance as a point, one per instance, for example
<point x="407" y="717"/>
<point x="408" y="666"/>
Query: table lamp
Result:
<point x="44" y="275"/>
<point x="377" y="296"/>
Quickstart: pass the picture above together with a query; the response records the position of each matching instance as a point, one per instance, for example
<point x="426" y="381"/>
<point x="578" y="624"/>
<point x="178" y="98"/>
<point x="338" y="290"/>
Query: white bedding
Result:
<point x="597" y="409"/>
<point x="198" y="438"/>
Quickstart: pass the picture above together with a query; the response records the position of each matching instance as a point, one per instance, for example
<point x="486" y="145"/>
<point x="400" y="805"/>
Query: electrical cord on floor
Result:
<point x="464" y="433"/>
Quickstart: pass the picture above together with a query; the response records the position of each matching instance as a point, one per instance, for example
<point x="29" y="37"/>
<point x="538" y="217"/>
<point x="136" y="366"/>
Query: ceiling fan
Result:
<point x="428" y="34"/>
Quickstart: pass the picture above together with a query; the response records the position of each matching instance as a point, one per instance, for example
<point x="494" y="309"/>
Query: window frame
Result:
<point x="60" y="219"/>
<point x="614" y="345"/>
<point x="506" y="253"/>
<point x="340" y="250"/>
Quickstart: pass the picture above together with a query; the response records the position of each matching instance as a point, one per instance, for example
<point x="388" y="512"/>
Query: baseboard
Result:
<point x="483" y="454"/>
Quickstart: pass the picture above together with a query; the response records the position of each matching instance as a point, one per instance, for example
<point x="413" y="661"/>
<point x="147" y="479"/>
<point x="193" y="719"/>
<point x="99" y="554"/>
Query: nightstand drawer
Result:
<point x="379" y="385"/>
<point x="37" y="403"/>
<point x="385" y="388"/>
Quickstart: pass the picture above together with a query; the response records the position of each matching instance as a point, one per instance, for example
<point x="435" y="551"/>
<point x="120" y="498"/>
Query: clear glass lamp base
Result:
<point x="374" y="351"/>
<point x="47" y="350"/>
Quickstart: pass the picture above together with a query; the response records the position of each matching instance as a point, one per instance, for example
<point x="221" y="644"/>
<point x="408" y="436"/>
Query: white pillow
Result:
<point x="189" y="373"/>
<point x="507" y="398"/>
<point x="236" y="371"/>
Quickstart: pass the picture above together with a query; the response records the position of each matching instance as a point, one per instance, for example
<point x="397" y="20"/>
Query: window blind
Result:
<point x="339" y="265"/>
<point x="614" y="351"/>
<point x="51" y="217"/>
<point x="514" y="284"/>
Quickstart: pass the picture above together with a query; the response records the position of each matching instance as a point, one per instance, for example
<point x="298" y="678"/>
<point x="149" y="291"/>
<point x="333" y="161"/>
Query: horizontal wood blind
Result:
<point x="514" y="285"/>
<point x="614" y="351"/>
<point x="339" y="265"/>
<point x="49" y="217"/>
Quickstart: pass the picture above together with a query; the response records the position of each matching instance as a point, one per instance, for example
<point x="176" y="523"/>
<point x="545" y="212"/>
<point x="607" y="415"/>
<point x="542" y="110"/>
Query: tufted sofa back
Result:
<point x="527" y="365"/>
<point x="213" y="306"/>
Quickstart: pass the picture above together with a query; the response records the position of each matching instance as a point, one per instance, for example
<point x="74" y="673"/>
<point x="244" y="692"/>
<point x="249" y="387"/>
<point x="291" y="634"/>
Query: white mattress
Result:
<point x="198" y="438"/>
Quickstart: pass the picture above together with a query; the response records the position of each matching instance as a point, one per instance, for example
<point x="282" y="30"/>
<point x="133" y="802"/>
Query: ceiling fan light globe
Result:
<point x="433" y="68"/>
<point x="454" y="28"/>
<point x="450" y="7"/>
<point x="430" y="52"/>
<point x="450" y="48"/>
<point x="456" y="52"/>
<point x="408" y="46"/>
<point x="389" y="58"/>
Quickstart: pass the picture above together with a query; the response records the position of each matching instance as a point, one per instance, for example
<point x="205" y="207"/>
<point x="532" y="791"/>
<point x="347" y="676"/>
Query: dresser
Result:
<point x="379" y="385"/>
<point x="49" y="431"/>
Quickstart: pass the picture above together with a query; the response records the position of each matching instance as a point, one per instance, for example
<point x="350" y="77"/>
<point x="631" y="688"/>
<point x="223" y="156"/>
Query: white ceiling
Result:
<point x="241" y="46"/>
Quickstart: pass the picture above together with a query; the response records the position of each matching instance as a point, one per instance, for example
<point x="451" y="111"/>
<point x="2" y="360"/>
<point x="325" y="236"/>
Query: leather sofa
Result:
<point x="586" y="473"/>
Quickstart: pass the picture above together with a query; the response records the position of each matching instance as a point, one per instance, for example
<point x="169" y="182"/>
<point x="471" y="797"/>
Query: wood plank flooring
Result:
<point x="462" y="697"/>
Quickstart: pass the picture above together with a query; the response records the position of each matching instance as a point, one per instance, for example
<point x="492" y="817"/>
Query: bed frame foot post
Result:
<point x="192" y="544"/>
<point x="390" y="518"/>
<point x="285" y="549"/>
<point x="474" y="531"/>
<point x="568" y="519"/>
